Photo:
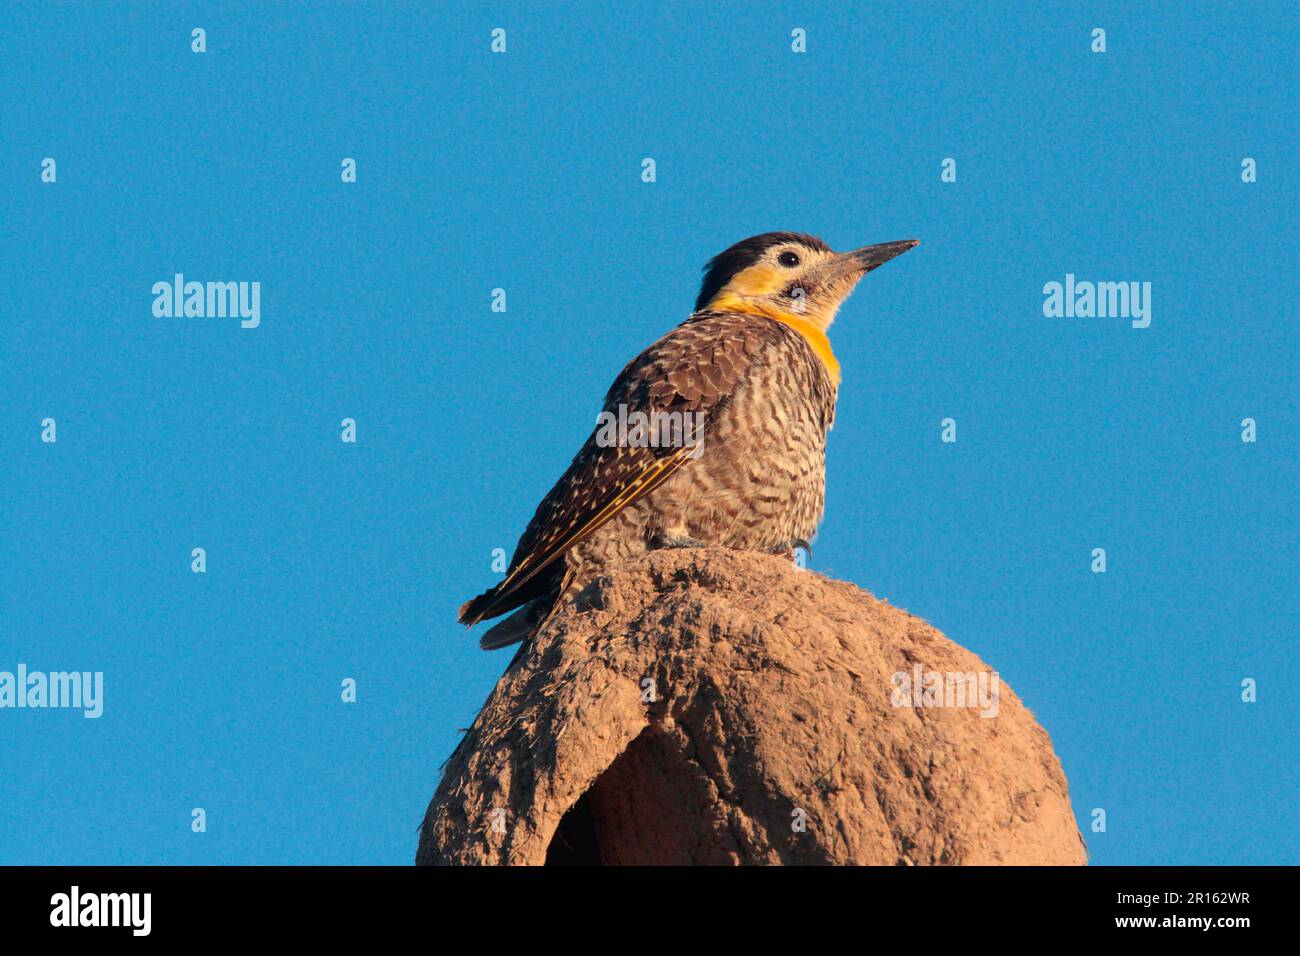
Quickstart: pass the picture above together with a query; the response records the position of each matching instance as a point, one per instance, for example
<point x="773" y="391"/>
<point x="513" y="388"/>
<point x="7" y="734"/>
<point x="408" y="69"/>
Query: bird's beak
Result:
<point x="859" y="262"/>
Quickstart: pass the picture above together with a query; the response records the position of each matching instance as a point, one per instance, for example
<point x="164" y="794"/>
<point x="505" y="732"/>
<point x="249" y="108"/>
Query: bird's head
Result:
<point x="789" y="276"/>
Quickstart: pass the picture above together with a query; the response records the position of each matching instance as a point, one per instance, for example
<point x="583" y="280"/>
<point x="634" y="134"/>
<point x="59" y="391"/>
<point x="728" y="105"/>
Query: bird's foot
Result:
<point x="792" y="550"/>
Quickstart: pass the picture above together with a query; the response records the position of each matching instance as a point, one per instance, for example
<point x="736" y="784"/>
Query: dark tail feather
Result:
<point x="472" y="611"/>
<point x="509" y="595"/>
<point x="513" y="629"/>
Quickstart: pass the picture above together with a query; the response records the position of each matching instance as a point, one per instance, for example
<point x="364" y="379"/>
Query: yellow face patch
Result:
<point x="760" y="279"/>
<point x="751" y="291"/>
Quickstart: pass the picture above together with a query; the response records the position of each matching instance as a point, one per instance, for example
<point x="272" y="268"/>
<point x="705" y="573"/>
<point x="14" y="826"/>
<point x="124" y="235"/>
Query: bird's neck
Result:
<point x="816" y="338"/>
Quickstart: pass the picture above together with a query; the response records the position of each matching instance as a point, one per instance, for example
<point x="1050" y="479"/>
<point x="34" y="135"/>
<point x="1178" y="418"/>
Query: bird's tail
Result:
<point x="513" y="629"/>
<point x="471" y="612"/>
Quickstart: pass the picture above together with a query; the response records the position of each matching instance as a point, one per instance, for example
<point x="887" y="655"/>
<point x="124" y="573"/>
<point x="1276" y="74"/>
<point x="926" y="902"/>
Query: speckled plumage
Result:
<point x="758" y="484"/>
<point x="760" y="481"/>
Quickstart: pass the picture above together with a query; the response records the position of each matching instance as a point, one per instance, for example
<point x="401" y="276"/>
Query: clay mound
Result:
<point x="712" y="706"/>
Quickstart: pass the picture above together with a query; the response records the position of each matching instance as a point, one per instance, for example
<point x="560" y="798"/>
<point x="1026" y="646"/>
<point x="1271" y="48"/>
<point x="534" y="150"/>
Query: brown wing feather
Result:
<point x="691" y="369"/>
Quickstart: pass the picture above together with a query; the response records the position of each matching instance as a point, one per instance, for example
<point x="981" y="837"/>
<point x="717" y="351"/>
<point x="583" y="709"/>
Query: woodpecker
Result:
<point x="744" y="392"/>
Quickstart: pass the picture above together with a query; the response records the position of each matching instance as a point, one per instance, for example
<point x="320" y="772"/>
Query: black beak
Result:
<point x="873" y="257"/>
<point x="854" y="265"/>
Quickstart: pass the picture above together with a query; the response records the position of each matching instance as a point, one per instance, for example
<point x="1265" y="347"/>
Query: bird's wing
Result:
<point x="694" y="368"/>
<point x="568" y="518"/>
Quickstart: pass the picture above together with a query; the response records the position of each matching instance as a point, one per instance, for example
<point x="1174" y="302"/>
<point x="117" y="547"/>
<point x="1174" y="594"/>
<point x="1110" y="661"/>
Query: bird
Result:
<point x="741" y="396"/>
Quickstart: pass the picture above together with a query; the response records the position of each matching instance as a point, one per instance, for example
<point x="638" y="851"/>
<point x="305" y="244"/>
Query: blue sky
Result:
<point x="521" y="170"/>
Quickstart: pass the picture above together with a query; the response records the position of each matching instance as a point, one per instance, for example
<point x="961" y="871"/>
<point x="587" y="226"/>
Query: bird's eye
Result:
<point x="788" y="259"/>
